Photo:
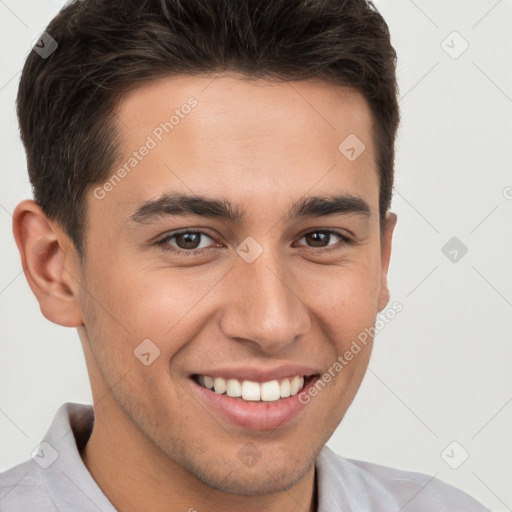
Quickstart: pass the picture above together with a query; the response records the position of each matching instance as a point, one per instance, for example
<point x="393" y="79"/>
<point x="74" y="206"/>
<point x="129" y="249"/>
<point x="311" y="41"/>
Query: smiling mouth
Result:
<point x="251" y="391"/>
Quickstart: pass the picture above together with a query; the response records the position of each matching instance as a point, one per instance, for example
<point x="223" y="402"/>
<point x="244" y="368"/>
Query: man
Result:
<point x="212" y="183"/>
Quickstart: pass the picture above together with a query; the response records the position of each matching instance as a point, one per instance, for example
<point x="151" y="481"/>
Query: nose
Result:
<point x="265" y="307"/>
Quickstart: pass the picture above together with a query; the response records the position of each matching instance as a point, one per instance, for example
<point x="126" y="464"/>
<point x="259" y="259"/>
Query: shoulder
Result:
<point x="22" y="489"/>
<point x="411" y="491"/>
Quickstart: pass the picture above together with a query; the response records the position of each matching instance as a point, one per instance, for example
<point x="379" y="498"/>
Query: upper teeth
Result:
<point x="254" y="391"/>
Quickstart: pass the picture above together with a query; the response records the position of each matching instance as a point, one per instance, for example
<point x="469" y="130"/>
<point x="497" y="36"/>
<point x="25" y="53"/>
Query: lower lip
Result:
<point x="254" y="415"/>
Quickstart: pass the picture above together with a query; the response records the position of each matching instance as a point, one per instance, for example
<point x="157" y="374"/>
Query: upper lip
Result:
<point x="259" y="374"/>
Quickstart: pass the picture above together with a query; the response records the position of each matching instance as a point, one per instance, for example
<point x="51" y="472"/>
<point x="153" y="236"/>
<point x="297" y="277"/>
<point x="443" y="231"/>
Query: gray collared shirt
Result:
<point x="56" y="479"/>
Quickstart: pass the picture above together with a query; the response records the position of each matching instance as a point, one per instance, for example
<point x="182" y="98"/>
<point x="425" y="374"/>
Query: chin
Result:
<point x="255" y="481"/>
<point x="275" y="472"/>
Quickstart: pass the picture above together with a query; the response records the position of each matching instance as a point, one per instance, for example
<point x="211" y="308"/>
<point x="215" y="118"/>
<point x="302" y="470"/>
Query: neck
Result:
<point x="135" y="475"/>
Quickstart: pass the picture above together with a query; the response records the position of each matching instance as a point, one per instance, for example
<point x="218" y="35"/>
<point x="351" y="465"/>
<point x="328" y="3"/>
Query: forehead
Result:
<point x="228" y="136"/>
<point x="232" y="93"/>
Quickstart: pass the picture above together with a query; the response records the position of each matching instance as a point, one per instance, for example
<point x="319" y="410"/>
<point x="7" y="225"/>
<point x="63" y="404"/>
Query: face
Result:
<point x="251" y="287"/>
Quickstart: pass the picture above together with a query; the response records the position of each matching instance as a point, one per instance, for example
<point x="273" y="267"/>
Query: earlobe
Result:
<point x="386" y="243"/>
<point x="47" y="260"/>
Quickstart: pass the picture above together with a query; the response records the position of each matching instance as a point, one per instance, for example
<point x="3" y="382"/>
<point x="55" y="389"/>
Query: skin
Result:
<point x="261" y="146"/>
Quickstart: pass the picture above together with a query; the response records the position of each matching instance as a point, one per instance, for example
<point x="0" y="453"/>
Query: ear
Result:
<point x="385" y="253"/>
<point x="49" y="260"/>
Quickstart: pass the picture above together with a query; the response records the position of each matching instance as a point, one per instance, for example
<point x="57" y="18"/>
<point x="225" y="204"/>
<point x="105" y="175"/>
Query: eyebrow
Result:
<point x="183" y="205"/>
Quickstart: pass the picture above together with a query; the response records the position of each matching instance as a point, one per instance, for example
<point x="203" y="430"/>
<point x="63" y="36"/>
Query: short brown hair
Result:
<point x="66" y="102"/>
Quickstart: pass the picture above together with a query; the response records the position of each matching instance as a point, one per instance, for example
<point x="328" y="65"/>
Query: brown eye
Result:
<point x="188" y="240"/>
<point x="318" y="239"/>
<point x="185" y="242"/>
<point x="321" y="239"/>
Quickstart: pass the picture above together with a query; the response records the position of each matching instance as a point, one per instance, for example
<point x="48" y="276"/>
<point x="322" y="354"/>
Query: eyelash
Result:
<point x="193" y="252"/>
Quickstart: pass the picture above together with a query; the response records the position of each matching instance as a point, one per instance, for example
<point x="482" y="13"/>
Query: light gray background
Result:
<point x="440" y="371"/>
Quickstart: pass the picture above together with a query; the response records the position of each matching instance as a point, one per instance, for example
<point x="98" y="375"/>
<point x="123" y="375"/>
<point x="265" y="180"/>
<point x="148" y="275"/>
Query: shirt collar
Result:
<point x="71" y="486"/>
<point x="69" y="483"/>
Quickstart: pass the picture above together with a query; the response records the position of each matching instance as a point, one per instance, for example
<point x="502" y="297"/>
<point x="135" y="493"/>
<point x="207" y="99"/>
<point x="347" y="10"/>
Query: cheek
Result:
<point x="162" y="305"/>
<point x="345" y="297"/>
